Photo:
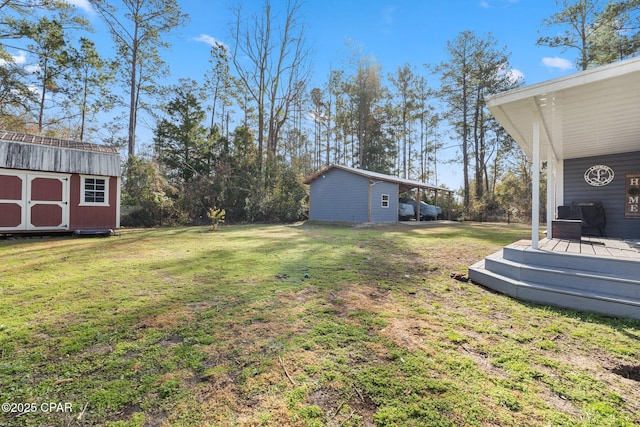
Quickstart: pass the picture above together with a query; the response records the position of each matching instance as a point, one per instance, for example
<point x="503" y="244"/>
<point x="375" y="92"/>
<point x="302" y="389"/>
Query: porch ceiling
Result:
<point x="590" y="113"/>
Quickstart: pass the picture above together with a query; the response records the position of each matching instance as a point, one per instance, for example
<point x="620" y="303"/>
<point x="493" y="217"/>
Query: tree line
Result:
<point x="239" y="137"/>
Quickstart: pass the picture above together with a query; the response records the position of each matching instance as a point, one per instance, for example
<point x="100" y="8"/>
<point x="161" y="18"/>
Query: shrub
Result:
<point x="217" y="217"/>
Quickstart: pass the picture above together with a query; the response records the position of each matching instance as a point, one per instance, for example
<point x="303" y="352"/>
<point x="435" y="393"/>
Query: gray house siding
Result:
<point x="612" y="195"/>
<point x="339" y="196"/>
<point x="378" y="212"/>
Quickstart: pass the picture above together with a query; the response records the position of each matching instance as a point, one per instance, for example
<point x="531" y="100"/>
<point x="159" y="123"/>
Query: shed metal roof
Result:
<point x="38" y="153"/>
<point x="589" y="113"/>
<point x="55" y="142"/>
<point x="405" y="184"/>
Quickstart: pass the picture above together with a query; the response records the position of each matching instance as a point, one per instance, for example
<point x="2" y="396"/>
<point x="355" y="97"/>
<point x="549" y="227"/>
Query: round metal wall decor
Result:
<point x="599" y="175"/>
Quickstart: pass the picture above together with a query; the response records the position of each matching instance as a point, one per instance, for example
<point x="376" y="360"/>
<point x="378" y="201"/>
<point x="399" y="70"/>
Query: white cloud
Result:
<point x="205" y="38"/>
<point x="81" y="4"/>
<point x="388" y="15"/>
<point x="515" y="75"/>
<point x="490" y="4"/>
<point x="555" y="62"/>
<point x="32" y="68"/>
<point x="19" y="59"/>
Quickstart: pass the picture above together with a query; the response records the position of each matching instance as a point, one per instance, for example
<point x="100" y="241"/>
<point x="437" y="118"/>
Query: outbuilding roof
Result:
<point x="405" y="184"/>
<point x="55" y="142"/>
<point x="589" y="113"/>
<point x="38" y="153"/>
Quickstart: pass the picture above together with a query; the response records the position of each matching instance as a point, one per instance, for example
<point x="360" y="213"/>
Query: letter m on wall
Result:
<point x="632" y="195"/>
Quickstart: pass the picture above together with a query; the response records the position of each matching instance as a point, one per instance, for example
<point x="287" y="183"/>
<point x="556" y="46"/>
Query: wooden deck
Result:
<point x="598" y="246"/>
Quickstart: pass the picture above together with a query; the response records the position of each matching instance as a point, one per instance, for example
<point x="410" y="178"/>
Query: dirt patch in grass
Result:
<point x="407" y="333"/>
<point x="176" y="315"/>
<point x="631" y="372"/>
<point x="339" y="409"/>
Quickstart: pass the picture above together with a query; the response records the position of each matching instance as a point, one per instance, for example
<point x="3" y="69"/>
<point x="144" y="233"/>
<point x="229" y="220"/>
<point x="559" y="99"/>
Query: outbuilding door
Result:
<point x="33" y="201"/>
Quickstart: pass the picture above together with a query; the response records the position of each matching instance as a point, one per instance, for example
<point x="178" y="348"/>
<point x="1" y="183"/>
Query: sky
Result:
<point x="395" y="32"/>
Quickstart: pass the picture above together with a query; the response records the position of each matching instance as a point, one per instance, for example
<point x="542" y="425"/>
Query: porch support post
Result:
<point x="559" y="183"/>
<point x="535" y="190"/>
<point x="551" y="192"/>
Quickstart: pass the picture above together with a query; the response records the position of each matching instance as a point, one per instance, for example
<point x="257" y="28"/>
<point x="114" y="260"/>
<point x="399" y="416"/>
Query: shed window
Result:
<point x="385" y="201"/>
<point x="94" y="191"/>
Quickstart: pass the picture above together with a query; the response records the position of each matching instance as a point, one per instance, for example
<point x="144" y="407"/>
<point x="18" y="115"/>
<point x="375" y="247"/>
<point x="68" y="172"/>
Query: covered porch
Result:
<point x="583" y="130"/>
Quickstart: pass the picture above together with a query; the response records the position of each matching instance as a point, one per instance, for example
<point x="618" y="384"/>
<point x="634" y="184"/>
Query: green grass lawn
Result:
<point x="305" y="325"/>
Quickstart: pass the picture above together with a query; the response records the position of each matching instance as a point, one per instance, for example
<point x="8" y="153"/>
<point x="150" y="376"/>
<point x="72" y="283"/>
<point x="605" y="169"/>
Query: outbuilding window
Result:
<point x="94" y="191"/>
<point x="385" y="201"/>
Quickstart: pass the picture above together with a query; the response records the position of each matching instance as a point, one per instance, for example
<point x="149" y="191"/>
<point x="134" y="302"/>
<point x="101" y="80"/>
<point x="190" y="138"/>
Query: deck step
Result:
<point x="621" y="267"/>
<point x="556" y="295"/>
<point x="571" y="278"/>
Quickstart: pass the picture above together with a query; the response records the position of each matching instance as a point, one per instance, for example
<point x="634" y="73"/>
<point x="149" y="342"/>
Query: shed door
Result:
<point x="33" y="201"/>
<point x="12" y="201"/>
<point x="47" y="202"/>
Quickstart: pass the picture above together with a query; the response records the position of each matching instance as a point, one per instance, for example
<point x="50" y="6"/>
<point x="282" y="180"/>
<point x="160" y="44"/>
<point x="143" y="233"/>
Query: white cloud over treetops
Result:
<point x="211" y="41"/>
<point x="515" y="75"/>
<point x="19" y="59"/>
<point x="485" y="4"/>
<point x="555" y="62"/>
<point x="82" y="4"/>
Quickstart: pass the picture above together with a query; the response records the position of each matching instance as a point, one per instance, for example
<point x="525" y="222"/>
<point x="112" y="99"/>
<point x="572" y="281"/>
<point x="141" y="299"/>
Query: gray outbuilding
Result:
<point x="341" y="193"/>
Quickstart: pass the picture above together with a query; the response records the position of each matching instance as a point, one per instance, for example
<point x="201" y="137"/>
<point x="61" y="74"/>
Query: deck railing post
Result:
<point x="551" y="191"/>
